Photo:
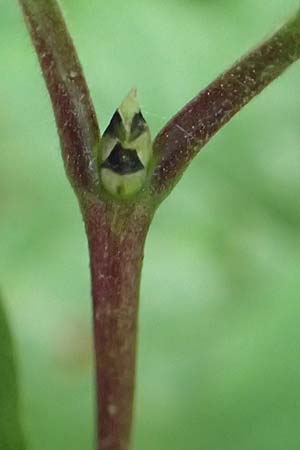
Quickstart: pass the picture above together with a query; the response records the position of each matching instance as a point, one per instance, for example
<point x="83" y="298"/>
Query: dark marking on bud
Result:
<point x="138" y="126"/>
<point x="116" y="127"/>
<point x="123" y="161"/>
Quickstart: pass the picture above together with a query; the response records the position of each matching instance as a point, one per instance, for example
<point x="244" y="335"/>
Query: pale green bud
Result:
<point x="125" y="150"/>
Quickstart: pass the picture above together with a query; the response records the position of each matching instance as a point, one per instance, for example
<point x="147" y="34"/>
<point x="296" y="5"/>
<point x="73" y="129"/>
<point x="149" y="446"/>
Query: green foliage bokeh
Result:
<point x="11" y="434"/>
<point x="219" y="344"/>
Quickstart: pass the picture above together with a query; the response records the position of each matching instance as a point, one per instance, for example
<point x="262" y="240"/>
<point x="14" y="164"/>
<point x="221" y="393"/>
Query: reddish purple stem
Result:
<point x="74" y="112"/>
<point x="192" y="127"/>
<point x="117" y="231"/>
<point x="116" y="243"/>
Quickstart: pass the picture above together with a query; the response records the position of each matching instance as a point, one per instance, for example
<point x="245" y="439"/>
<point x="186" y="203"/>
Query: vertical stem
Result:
<point x="116" y="243"/>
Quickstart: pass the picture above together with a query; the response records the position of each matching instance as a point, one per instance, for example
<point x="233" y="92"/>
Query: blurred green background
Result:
<point x="219" y="343"/>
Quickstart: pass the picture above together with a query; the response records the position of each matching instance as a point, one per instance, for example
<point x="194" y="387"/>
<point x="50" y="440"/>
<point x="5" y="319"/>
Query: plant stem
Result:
<point x="194" y="125"/>
<point x="73" y="108"/>
<point x="117" y="231"/>
<point x="116" y="242"/>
